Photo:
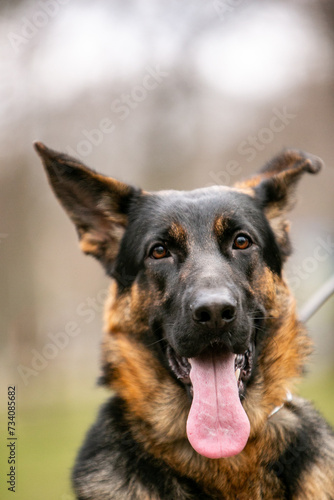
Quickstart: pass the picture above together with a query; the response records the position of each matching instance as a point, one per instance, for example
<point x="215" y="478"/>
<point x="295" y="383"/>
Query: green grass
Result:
<point x="49" y="436"/>
<point x="320" y="390"/>
<point x="48" y="440"/>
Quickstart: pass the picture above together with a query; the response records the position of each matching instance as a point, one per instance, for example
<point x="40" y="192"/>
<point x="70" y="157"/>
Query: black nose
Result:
<point x="214" y="310"/>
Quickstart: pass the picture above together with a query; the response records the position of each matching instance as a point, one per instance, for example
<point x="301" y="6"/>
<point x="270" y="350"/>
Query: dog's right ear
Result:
<point x="98" y="205"/>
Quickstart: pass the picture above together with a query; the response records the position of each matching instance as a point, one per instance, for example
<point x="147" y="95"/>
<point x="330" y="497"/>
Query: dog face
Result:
<point x="198" y="279"/>
<point x="200" y="274"/>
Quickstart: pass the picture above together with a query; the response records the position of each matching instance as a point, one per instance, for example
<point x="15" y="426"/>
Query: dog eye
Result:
<point x="159" y="252"/>
<point x="241" y="242"/>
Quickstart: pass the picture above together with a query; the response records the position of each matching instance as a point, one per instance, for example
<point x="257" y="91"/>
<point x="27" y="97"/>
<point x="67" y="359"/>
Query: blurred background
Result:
<point x="164" y="94"/>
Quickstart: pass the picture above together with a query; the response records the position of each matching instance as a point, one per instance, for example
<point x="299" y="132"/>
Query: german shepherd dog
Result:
<point x="202" y="343"/>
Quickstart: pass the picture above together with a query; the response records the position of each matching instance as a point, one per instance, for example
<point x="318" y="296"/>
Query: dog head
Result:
<point x="198" y="294"/>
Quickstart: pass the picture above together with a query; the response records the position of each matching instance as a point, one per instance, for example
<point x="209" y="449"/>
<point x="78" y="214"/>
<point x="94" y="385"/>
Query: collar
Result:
<point x="288" y="398"/>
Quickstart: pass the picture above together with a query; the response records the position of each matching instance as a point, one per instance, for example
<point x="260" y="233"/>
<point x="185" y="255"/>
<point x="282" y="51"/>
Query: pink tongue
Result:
<point x="217" y="424"/>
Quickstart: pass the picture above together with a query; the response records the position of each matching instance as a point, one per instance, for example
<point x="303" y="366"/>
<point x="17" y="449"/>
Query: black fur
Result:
<point x="308" y="440"/>
<point x="110" y="447"/>
<point x="196" y="272"/>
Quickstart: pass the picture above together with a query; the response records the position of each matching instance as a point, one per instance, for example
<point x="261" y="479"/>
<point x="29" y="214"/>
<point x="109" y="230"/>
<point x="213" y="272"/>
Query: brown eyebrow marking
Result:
<point x="220" y="225"/>
<point x="178" y="234"/>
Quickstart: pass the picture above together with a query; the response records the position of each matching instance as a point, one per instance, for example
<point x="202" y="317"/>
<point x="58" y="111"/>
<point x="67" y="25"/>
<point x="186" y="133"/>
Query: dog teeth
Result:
<point x="237" y="374"/>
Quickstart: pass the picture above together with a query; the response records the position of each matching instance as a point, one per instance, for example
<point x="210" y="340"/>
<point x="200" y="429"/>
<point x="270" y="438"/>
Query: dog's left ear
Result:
<point x="98" y="205"/>
<point x="274" y="187"/>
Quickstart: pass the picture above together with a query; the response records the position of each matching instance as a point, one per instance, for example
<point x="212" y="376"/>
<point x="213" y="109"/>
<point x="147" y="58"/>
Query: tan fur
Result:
<point x="156" y="405"/>
<point x="178" y="233"/>
<point x="319" y="478"/>
<point x="159" y="407"/>
<point x="219" y="226"/>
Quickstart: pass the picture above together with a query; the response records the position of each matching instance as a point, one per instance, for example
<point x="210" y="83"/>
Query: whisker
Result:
<point x="156" y="342"/>
<point x="262" y="317"/>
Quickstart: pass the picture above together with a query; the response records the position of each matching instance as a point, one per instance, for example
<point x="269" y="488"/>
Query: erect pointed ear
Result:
<point x="274" y="187"/>
<point x="98" y="205"/>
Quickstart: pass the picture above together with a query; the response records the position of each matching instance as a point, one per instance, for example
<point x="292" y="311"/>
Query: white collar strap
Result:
<point x="288" y="398"/>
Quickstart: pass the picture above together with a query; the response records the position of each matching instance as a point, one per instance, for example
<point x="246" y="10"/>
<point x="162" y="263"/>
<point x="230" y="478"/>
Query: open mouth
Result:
<point x="216" y="379"/>
<point x="243" y="365"/>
